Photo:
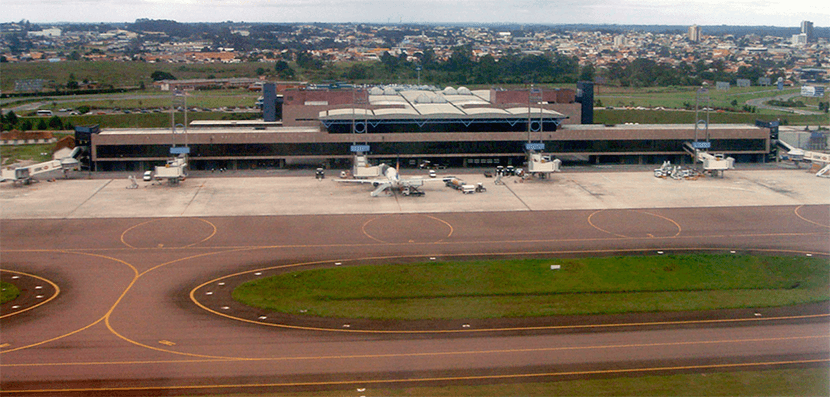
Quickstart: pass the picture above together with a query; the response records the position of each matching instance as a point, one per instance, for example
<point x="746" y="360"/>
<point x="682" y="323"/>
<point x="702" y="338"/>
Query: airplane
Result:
<point x="391" y="182"/>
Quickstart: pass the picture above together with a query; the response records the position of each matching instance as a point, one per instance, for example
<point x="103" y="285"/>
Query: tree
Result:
<point x="72" y="84"/>
<point x="162" y="75"/>
<point x="357" y="72"/>
<point x="83" y="109"/>
<point x="587" y="73"/>
<point x="41" y="125"/>
<point x="11" y="118"/>
<point x="283" y="70"/>
<point x="26" y="125"/>
<point x="307" y="61"/>
<point x="55" y="123"/>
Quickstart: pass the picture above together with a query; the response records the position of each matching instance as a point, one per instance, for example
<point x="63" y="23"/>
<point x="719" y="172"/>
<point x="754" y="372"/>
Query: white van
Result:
<point x="148" y="176"/>
<point x="44" y="112"/>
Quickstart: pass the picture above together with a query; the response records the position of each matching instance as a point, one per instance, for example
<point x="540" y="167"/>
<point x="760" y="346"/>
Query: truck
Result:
<point x="454" y="183"/>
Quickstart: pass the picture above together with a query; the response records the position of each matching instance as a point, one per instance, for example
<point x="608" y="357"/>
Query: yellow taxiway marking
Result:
<point x="167" y="343"/>
<point x="213" y="233"/>
<point x="363" y="382"/>
<point x="807" y="220"/>
<point x="55" y="295"/>
<point x="5" y="345"/>
<point x="441" y="242"/>
<point x="677" y="225"/>
<point x="367" y="234"/>
<point x="475" y="330"/>
<point x="430" y="354"/>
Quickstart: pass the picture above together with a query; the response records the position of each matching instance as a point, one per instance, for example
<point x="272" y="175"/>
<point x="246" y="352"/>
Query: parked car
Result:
<point x="148" y="176"/>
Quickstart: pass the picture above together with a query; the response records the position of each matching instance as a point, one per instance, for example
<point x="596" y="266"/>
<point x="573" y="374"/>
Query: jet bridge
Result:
<point x="713" y="163"/>
<point x="25" y="175"/>
<point x="538" y="163"/>
<point x="362" y="169"/>
<point x="797" y="155"/>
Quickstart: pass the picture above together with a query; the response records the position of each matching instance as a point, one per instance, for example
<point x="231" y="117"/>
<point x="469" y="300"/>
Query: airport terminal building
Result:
<point x="455" y="126"/>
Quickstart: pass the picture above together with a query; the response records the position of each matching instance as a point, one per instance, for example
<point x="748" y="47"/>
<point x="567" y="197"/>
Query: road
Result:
<point x="760" y="103"/>
<point x="136" y="312"/>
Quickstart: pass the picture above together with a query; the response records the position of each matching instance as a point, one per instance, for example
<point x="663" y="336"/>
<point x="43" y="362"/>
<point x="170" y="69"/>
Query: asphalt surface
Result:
<point x="139" y="305"/>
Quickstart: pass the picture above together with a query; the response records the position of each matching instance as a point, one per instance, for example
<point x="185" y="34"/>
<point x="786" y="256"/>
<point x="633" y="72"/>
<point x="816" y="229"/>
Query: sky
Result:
<point x="623" y="12"/>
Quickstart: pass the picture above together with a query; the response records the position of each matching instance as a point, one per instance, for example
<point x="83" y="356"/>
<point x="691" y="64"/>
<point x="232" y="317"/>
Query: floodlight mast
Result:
<point x="701" y="95"/>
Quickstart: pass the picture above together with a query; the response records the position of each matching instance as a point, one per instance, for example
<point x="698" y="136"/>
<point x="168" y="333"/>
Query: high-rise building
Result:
<point x="807" y="29"/>
<point x="619" y="41"/>
<point x="694" y="33"/>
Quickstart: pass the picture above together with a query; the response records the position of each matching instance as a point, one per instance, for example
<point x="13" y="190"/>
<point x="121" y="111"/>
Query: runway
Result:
<point x="127" y="312"/>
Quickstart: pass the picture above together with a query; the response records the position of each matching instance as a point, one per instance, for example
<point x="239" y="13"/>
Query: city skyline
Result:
<point x="625" y="12"/>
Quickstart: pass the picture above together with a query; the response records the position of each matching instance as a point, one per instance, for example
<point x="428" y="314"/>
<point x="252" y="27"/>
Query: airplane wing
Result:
<point x="373" y="182"/>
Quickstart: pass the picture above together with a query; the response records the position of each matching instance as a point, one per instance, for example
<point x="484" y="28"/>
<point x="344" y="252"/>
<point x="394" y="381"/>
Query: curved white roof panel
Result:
<point x="487" y="112"/>
<point x="346" y="113"/>
<point x="435" y="109"/>
<point x="386" y="100"/>
<point x="535" y="111"/>
<point x="483" y="94"/>
<point x="406" y="112"/>
<point x="465" y="100"/>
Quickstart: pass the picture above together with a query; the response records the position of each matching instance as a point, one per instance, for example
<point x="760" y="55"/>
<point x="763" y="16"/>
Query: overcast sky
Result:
<point x="629" y="12"/>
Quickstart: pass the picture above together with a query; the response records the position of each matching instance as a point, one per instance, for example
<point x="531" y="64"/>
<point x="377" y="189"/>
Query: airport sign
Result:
<point x="701" y="145"/>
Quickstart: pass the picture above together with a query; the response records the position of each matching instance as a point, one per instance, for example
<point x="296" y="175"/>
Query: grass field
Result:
<point x="783" y="382"/>
<point x="9" y="292"/>
<point x="528" y="288"/>
<point x="121" y="74"/>
<point x="604" y="116"/>
<point x="156" y="99"/>
<point x="145" y="120"/>
<point x="676" y="97"/>
<point x="37" y="153"/>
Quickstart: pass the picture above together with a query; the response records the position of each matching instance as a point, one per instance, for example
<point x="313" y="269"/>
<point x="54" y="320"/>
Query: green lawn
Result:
<point x="157" y="99"/>
<point x="527" y="288"/>
<point x="779" y="382"/>
<point x="146" y="120"/>
<point x="676" y="97"/>
<point x="37" y="153"/>
<point x="121" y="74"/>
<point x="604" y="116"/>
<point x="9" y="292"/>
